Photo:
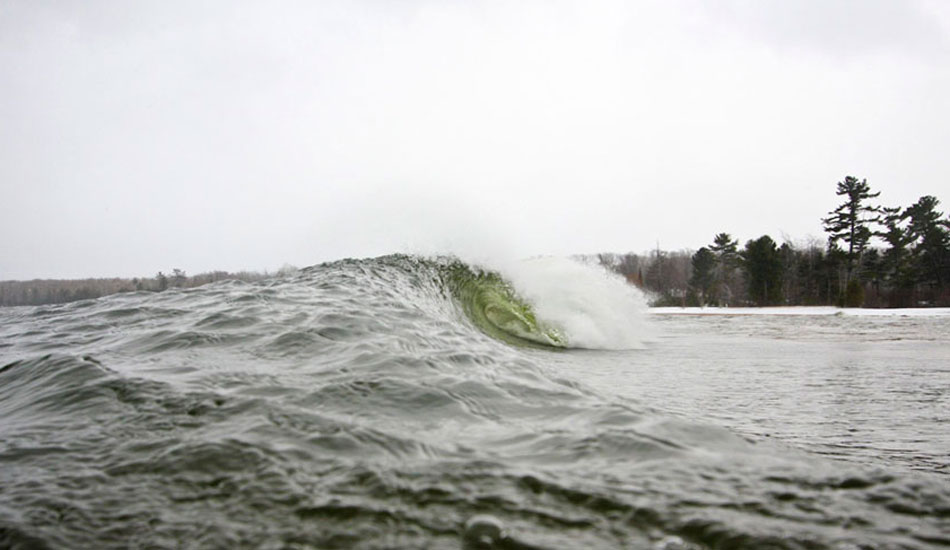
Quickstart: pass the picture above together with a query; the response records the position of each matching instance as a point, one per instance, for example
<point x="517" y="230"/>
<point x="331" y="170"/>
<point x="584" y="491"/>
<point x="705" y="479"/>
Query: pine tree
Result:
<point x="726" y="251"/>
<point x="896" y="265"/>
<point x="704" y="273"/>
<point x="763" y="266"/>
<point x="930" y="235"/>
<point x="851" y="221"/>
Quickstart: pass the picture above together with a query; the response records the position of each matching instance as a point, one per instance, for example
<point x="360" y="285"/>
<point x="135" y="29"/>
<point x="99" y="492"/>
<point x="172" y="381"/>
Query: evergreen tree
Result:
<point x="763" y="266"/>
<point x="725" y="250"/>
<point x="872" y="270"/>
<point x="724" y="246"/>
<point x="930" y="235"/>
<point x="808" y="273"/>
<point x="704" y="274"/>
<point x="851" y="221"/>
<point x="896" y="266"/>
<point x="833" y="280"/>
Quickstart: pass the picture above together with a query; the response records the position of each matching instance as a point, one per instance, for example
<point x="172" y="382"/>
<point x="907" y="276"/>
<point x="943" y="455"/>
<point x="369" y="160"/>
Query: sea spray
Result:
<point x="595" y="309"/>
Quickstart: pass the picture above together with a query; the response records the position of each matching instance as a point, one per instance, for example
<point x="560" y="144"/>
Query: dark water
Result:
<point x="356" y="405"/>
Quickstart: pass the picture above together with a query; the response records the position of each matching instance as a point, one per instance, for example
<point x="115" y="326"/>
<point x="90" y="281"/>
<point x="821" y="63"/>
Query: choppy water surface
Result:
<point x="361" y="404"/>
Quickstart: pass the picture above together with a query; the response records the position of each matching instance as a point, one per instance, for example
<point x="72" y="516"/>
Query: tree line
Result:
<point x="874" y="256"/>
<point x="55" y="291"/>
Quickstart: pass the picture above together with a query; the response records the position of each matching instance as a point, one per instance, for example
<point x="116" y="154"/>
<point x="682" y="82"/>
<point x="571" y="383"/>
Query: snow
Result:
<point x="803" y="310"/>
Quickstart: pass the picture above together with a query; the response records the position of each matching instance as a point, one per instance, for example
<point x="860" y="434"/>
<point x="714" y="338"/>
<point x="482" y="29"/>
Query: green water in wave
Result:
<point x="494" y="306"/>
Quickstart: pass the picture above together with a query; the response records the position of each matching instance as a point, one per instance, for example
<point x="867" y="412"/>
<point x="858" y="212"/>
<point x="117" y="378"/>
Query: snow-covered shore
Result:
<point x="802" y="310"/>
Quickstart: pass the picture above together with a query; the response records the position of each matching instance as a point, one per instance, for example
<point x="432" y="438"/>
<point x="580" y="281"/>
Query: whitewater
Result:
<point x="412" y="402"/>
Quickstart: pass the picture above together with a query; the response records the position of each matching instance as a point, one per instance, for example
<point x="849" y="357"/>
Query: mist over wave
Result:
<point x="596" y="309"/>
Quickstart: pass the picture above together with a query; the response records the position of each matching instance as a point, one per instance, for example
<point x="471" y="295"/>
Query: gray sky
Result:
<point x="142" y="136"/>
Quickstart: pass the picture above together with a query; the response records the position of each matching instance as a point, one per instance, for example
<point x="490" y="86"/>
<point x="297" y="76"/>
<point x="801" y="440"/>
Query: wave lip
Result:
<point x="550" y="302"/>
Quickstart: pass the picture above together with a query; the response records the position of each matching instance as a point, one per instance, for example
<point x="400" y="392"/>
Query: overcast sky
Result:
<point x="143" y="136"/>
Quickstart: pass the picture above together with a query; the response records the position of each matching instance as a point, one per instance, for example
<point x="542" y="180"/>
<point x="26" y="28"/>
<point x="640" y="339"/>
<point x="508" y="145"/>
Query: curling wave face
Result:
<point x="384" y="403"/>
<point x="492" y="304"/>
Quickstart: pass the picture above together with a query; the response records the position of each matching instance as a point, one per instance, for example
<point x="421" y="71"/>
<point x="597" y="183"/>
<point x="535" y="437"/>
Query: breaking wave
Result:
<point x="399" y="402"/>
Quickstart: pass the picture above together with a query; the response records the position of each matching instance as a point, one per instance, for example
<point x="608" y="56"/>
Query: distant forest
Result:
<point x="55" y="291"/>
<point x="909" y="268"/>
<point x="874" y="256"/>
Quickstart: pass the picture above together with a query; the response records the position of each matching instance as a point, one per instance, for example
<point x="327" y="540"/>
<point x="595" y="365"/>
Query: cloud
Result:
<point x="238" y="134"/>
<point x="847" y="30"/>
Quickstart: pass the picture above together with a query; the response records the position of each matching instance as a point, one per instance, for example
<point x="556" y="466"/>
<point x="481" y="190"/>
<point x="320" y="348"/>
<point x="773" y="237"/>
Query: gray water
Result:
<point x="356" y="405"/>
<point x="873" y="388"/>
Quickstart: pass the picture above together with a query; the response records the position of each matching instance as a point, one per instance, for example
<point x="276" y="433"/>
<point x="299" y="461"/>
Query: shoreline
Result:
<point x="804" y="311"/>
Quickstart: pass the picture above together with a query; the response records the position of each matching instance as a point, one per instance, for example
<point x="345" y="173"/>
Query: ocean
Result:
<point x="409" y="402"/>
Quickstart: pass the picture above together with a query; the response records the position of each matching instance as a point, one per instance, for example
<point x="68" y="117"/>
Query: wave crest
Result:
<point x="553" y="302"/>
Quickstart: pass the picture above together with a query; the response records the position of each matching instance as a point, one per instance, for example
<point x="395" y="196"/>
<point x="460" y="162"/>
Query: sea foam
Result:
<point x="594" y="308"/>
